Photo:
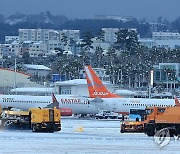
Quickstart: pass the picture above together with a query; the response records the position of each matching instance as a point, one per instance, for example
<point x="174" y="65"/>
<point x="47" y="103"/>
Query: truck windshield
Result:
<point x="161" y="110"/>
<point x="136" y="113"/>
<point x="149" y="111"/>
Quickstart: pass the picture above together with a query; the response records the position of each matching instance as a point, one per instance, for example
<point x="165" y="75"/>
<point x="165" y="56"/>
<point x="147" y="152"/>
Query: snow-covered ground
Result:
<point x="97" y="136"/>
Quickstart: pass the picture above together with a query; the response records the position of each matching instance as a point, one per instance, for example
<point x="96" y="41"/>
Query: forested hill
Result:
<point x="10" y="25"/>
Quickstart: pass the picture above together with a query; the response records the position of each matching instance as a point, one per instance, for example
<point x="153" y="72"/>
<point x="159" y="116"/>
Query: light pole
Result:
<point x="129" y="82"/>
<point x="167" y="83"/>
<point x="15" y="67"/>
<point x="151" y="82"/>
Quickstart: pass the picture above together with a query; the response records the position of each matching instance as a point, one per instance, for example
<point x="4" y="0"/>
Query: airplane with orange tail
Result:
<point x="106" y="100"/>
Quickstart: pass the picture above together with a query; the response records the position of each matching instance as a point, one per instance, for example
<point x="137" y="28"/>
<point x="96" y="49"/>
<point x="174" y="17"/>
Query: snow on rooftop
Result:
<point x="27" y="42"/>
<point x="15" y="42"/>
<point x="32" y="89"/>
<point x="36" y="67"/>
<point x="76" y="82"/>
<point x="68" y="52"/>
<point x="125" y="92"/>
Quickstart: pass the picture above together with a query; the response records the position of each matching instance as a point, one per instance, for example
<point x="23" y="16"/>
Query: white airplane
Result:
<point x="79" y="105"/>
<point x="105" y="100"/>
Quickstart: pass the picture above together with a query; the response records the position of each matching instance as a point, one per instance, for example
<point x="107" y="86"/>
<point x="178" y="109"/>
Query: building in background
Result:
<point x="10" y="39"/>
<point x="5" y="50"/>
<point x="166" y="39"/>
<point x="114" y="17"/>
<point x="37" y="70"/>
<point x="11" y="79"/>
<point x="167" y="75"/>
<point x="110" y="34"/>
<point x="77" y="87"/>
<point x="148" y="42"/>
<point x="64" y="39"/>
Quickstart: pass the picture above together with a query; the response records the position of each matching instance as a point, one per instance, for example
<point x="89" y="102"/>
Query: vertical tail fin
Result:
<point x="54" y="103"/>
<point x="95" y="86"/>
<point x="64" y="111"/>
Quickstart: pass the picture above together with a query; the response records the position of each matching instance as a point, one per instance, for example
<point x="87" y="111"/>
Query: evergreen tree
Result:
<point x="126" y="40"/>
<point x="64" y="40"/>
<point x="99" y="54"/>
<point x="100" y="35"/>
<point x="87" y="41"/>
<point x="26" y="58"/>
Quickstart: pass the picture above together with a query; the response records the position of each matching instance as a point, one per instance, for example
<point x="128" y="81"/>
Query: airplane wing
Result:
<point x="52" y="105"/>
<point x="97" y="100"/>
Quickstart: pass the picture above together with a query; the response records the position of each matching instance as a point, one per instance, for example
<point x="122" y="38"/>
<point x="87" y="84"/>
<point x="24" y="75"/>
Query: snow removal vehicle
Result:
<point x="37" y="119"/>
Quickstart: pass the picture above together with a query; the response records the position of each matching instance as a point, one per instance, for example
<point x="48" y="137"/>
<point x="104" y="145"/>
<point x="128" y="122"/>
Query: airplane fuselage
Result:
<point x="123" y="105"/>
<point x="79" y="105"/>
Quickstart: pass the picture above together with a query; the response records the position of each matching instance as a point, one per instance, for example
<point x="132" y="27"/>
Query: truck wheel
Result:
<point x="34" y="129"/>
<point x="178" y="130"/>
<point x="172" y="132"/>
<point x="150" y="130"/>
<point x="122" y="131"/>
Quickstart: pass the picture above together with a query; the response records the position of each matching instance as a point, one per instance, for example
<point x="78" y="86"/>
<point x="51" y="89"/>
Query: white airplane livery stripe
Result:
<point x="89" y="76"/>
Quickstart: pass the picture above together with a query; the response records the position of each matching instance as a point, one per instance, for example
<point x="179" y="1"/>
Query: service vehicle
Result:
<point x="135" y="122"/>
<point x="132" y="126"/>
<point x="37" y="119"/>
<point x="159" y="118"/>
<point x="104" y="114"/>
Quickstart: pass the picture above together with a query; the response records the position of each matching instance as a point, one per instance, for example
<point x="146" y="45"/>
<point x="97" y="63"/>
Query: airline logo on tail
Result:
<point x="95" y="85"/>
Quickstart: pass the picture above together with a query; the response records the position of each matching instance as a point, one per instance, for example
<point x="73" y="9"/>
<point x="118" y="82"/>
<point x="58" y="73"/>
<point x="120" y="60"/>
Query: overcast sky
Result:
<point x="149" y="9"/>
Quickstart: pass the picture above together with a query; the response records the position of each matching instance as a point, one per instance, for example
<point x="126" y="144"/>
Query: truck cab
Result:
<point x="158" y="118"/>
<point x="152" y="112"/>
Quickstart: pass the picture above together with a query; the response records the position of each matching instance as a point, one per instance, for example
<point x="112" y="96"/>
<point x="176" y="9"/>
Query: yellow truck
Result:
<point x="37" y="119"/>
<point x="45" y="119"/>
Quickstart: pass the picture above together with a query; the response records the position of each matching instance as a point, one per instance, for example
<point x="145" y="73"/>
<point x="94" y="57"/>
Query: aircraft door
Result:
<point x="114" y="106"/>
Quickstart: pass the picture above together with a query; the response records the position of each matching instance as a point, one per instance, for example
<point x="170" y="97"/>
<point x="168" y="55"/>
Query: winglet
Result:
<point x="95" y="85"/>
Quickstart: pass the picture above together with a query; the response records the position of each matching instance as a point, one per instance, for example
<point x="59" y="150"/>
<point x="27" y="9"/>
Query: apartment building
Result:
<point x="52" y="38"/>
<point x="16" y="47"/>
<point x="27" y="35"/>
<point x="110" y="34"/>
<point x="71" y="34"/>
<point x="37" y="48"/>
<point x="166" y="39"/>
<point x="10" y="39"/>
<point x="5" y="50"/>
